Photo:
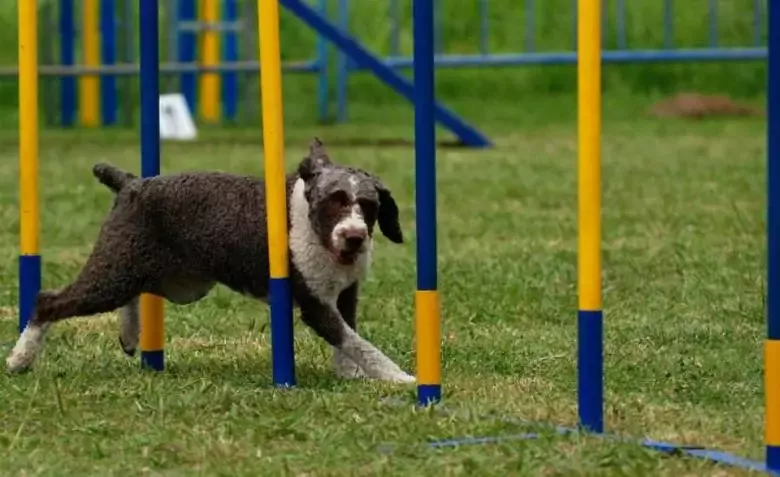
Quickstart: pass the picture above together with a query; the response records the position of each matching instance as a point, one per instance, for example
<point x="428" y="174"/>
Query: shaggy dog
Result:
<point x="176" y="236"/>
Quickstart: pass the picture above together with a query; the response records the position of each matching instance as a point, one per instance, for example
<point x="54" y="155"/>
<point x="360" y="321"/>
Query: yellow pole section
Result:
<point x="28" y="126"/>
<point x="152" y="329"/>
<point x="90" y="46"/>
<point x="273" y="135"/>
<point x="210" y="82"/>
<point x="589" y="156"/>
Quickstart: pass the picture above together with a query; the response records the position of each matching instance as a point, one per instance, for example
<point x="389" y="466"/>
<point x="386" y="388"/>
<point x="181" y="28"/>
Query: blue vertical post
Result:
<point x="484" y="27"/>
<point x="342" y="67"/>
<point x="150" y="306"/>
<point x="67" y="58"/>
<point x="108" y="57"/>
<point x="428" y="329"/>
<point x="230" y="54"/>
<point x="713" y="16"/>
<point x="757" y="22"/>
<point x="395" y="30"/>
<point x="188" y="81"/>
<point x="530" y="25"/>
<point x="668" y="23"/>
<point x="323" y="85"/>
<point x="772" y="344"/>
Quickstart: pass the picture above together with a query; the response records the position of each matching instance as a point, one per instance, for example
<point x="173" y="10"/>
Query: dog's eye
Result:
<point x="368" y="208"/>
<point x="338" y="199"/>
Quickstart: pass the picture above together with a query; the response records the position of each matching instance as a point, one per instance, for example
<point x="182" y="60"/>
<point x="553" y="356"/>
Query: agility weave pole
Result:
<point x="427" y="312"/>
<point x="151" y="308"/>
<point x="590" y="375"/>
<point x="280" y="289"/>
<point x="152" y="313"/>
<point x="29" y="208"/>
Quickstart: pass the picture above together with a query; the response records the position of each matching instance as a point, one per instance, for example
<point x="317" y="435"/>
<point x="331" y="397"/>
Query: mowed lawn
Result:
<point x="684" y="255"/>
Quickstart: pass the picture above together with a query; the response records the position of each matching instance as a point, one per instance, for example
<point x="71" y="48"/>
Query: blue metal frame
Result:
<point x="467" y="134"/>
<point x="230" y="54"/>
<point x="68" y="92"/>
<point x="188" y="82"/>
<point x="108" y="108"/>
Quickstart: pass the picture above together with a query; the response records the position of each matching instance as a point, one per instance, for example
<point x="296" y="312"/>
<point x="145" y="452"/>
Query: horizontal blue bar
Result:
<point x="428" y="394"/>
<point x="570" y="57"/>
<point x="714" y="456"/>
<point x="154" y="360"/>
<point x="282" y="339"/>
<point x="29" y="286"/>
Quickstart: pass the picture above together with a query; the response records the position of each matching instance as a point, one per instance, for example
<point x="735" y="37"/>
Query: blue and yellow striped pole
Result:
<point x="282" y="341"/>
<point x="427" y="312"/>
<point x="590" y="325"/>
<point x="210" y="81"/>
<point x="772" y="344"/>
<point x="29" y="258"/>
<point x="152" y="339"/>
<point x="90" y="47"/>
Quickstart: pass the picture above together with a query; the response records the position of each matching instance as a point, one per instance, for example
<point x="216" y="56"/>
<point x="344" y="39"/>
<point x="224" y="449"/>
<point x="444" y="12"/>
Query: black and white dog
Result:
<point x="176" y="236"/>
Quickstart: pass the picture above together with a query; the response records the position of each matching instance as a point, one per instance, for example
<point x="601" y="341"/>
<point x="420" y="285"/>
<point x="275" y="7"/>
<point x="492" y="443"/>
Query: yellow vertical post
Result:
<point x="282" y="345"/>
<point x="29" y="258"/>
<point x="210" y="81"/>
<point x="89" y="85"/>
<point x="590" y="342"/>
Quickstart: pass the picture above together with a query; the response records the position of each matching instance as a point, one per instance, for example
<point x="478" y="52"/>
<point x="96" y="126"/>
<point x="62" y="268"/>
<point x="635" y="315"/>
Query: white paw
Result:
<point x="403" y="378"/>
<point x="346" y="368"/>
<point x="26" y="349"/>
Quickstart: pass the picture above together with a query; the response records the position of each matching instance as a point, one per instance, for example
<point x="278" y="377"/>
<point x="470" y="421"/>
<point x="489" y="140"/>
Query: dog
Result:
<point x="177" y="236"/>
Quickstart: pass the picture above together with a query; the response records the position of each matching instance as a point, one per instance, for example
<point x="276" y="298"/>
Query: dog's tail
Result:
<point x="111" y="176"/>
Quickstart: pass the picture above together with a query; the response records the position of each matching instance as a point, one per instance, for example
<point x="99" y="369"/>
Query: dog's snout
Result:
<point x="354" y="237"/>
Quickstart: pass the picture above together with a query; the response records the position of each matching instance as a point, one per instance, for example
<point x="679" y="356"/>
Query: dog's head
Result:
<point x="345" y="204"/>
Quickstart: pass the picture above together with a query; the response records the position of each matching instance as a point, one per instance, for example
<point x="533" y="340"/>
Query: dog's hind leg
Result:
<point x="110" y="279"/>
<point x="129" y="327"/>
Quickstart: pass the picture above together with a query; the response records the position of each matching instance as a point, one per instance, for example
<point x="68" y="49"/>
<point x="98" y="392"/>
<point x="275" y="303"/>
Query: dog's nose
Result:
<point x="353" y="238"/>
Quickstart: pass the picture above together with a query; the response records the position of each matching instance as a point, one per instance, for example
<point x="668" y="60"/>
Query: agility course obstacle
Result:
<point x="29" y="207"/>
<point x="590" y="368"/>
<point x="151" y="309"/>
<point x="282" y="343"/>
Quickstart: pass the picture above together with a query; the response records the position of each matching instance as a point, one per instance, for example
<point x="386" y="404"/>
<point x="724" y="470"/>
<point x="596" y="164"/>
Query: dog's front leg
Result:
<point x="347" y="306"/>
<point x="328" y="323"/>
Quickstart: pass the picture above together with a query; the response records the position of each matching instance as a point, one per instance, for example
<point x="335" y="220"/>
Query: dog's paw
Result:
<point x="346" y="368"/>
<point x="26" y="349"/>
<point x="129" y="349"/>
<point x="403" y="378"/>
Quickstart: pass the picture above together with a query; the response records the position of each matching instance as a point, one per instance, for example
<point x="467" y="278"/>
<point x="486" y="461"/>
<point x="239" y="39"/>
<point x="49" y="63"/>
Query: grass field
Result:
<point x="684" y="262"/>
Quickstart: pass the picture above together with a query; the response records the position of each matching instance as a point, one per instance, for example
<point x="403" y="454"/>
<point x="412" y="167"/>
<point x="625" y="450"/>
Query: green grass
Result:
<point x="683" y="293"/>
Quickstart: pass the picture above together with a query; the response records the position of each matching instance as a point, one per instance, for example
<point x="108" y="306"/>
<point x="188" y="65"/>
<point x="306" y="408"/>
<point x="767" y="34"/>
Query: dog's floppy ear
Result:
<point x="315" y="161"/>
<point x="387" y="215"/>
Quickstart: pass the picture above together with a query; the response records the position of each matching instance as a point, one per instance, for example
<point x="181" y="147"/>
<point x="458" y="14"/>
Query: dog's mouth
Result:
<point x="346" y="257"/>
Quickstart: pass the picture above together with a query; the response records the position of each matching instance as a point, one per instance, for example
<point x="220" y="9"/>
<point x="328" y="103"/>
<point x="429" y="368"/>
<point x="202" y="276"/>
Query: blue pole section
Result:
<point x="188" y="81"/>
<point x="427" y="301"/>
<point x="772" y="344"/>
<point x="230" y="52"/>
<point x="67" y="58"/>
<point x="108" y="54"/>
<point x="29" y="286"/>
<point x="150" y="155"/>
<point x="342" y="67"/>
<point x="323" y="85"/>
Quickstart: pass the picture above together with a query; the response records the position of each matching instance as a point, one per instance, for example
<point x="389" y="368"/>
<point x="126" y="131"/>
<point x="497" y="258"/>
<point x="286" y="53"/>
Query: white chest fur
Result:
<point x="325" y="277"/>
